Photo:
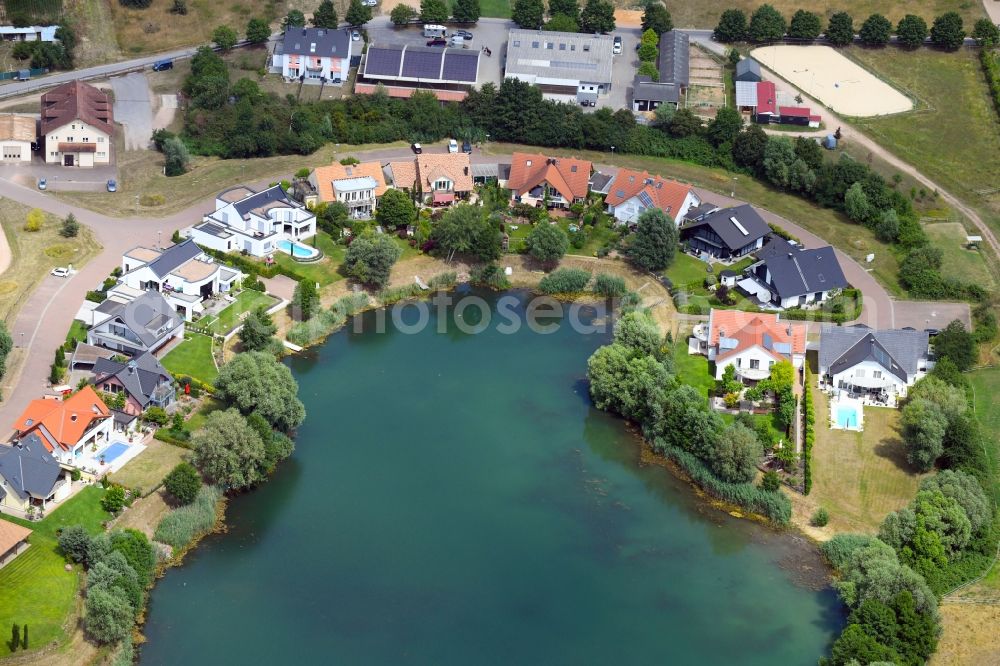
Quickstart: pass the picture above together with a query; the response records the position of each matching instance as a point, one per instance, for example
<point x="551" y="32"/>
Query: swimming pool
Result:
<point x="113" y="451"/>
<point x="848" y="415"/>
<point x="297" y="251"/>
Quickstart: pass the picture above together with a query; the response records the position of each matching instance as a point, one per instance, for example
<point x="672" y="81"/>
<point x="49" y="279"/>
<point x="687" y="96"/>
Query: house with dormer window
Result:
<point x="725" y="234"/>
<point x="554" y="182"/>
<point x="789" y="276"/>
<point x="67" y="427"/>
<point x="881" y="364"/>
<point x="444" y="176"/>
<point x="314" y="55"/>
<point x="145" y="323"/>
<point x="357" y="186"/>
<point x="751" y="342"/>
<point x="77" y="125"/>
<point x="257" y="223"/>
<point x="633" y="192"/>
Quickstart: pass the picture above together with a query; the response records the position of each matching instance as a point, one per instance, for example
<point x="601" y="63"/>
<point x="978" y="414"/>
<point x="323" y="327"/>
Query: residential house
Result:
<point x="445" y="177"/>
<point x="633" y="192"/>
<point x="183" y="273"/>
<point x="879" y="364"/>
<point x="314" y="55"/>
<point x="30" y="476"/>
<point x="29" y="33"/>
<point x="727" y="233"/>
<point x="77" y="125"/>
<point x="789" y="276"/>
<point x="257" y="223"/>
<point x="66" y="427"/>
<point x="143" y="381"/>
<point x="17" y="134"/>
<point x="567" y="66"/>
<point x="554" y="182"/>
<point x="357" y="186"/>
<point x="748" y="69"/>
<point x="145" y="323"/>
<point x="752" y="342"/>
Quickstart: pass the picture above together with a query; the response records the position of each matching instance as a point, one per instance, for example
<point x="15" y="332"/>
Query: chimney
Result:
<point x="73" y="417"/>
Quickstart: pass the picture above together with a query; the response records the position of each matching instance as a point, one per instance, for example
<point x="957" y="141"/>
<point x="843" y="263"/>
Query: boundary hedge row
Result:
<point x="808" y="431"/>
<point x="991" y="69"/>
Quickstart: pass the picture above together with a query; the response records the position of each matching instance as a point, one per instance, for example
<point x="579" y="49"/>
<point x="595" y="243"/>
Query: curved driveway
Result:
<point x="48" y="312"/>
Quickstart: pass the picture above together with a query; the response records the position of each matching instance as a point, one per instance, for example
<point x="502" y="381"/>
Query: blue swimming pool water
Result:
<point x="295" y="249"/>
<point x="114" y="451"/>
<point x="847" y="416"/>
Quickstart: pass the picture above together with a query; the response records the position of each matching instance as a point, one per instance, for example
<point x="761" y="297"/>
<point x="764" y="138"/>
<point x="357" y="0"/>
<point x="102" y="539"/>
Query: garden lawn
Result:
<point x="326" y="270"/>
<point x="495" y="8"/>
<point x="687" y="272"/>
<point x="146" y="471"/>
<point x="959" y="262"/>
<point x="692" y="369"/>
<point x="193" y="357"/>
<point x="860" y="477"/>
<point x="247" y="301"/>
<point x="35" y="589"/>
<point x="953" y="136"/>
<point x="77" y="331"/>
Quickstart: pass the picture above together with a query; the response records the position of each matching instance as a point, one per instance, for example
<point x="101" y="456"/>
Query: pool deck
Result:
<point x="91" y="461"/>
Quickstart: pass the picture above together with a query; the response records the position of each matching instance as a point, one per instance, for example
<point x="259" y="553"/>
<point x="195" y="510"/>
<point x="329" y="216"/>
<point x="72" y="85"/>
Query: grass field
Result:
<point x="829" y="225"/>
<point x="146" y="471"/>
<point x="192" y="357"/>
<point x="495" y="8"/>
<point x="692" y="369"/>
<point x="247" y="301"/>
<point x="35" y="589"/>
<point x="953" y="136"/>
<point x="860" y="477"/>
<point x="959" y="262"/>
<point x="706" y="14"/>
<point x="35" y="253"/>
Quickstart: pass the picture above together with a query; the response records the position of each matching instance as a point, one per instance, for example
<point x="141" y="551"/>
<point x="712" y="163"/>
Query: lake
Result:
<point x="454" y="498"/>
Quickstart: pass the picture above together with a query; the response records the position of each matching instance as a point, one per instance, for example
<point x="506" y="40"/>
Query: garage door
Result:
<point x="12" y="152"/>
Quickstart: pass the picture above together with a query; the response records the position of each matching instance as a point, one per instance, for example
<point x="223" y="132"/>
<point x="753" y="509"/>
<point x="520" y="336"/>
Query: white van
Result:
<point x="432" y="31"/>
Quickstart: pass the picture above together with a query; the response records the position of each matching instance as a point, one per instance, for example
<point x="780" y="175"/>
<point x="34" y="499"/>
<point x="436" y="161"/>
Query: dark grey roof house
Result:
<point x="795" y="276"/>
<point x="748" y="69"/>
<point x="174" y="256"/>
<point x="648" y="95"/>
<point x="29" y="474"/>
<point x="727" y="233"/>
<point x="146" y="323"/>
<point x="144" y="381"/>
<point x="866" y="359"/>
<point x="673" y="60"/>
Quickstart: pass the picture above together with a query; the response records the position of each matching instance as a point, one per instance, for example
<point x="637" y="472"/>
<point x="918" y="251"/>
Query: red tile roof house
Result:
<point x="752" y="342"/>
<point x="77" y="125"/>
<point x="67" y="427"/>
<point x="555" y="182"/>
<point x="633" y="192"/>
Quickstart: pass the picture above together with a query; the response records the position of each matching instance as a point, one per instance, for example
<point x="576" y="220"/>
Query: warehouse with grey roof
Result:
<point x="566" y="66"/>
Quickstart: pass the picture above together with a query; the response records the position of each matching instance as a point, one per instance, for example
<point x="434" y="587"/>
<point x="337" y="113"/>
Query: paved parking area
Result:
<point x="930" y="314"/>
<point x="622" y="71"/>
<point x="134" y="109"/>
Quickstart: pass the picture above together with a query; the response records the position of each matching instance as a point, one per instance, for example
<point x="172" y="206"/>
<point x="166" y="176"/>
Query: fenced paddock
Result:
<point x="707" y="89"/>
<point x="833" y="79"/>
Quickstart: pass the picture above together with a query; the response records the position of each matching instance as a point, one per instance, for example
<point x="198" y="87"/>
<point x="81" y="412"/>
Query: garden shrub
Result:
<point x="443" y="280"/>
<point x="820" y="518"/>
<point x="564" y="281"/>
<point x="182" y="525"/>
<point x="609" y="286"/>
<point x="489" y="275"/>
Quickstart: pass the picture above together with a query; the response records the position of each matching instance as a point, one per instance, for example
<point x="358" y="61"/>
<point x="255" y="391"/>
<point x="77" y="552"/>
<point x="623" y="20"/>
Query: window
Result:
<point x="586" y="47"/>
<point x="86" y="139"/>
<point x="739" y="362"/>
<point x="562" y="47"/>
<point x="70" y="139"/>
<point x="877" y="374"/>
<point x="100" y="139"/>
<point x="859" y="373"/>
<point x="517" y="42"/>
<point x="550" y="45"/>
<point x="572" y="47"/>
<point x="534" y="45"/>
<point x="755" y="364"/>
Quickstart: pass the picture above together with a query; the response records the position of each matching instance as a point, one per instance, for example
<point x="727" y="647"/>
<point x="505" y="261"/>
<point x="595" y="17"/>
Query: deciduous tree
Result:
<point x="528" y="14"/>
<point x="467" y="11"/>
<point x="224" y="37"/>
<point x="767" y="24"/>
<point x="294" y="19"/>
<point x="986" y="32"/>
<point x="359" y="14"/>
<point x="948" y="31"/>
<point x="228" y="451"/>
<point x="434" y="11"/>
<point x="546" y="242"/>
<point x="804" y="25"/>
<point x="840" y="29"/>
<point x="402" y="14"/>
<point x="875" y="31"/>
<point x="911" y="31"/>
<point x="924" y="426"/>
<point x="183" y="482"/>
<point x="257" y="333"/>
<point x="732" y="26"/>
<point x="654" y="243"/>
<point x="108" y="615"/>
<point x="257" y="382"/>
<point x="370" y="258"/>
<point x="657" y="18"/>
<point x="598" y="16"/>
<point x="725" y="126"/>
<point x="956" y="344"/>
<point x="326" y="15"/>
<point x="395" y="210"/>
<point x="258" y="31"/>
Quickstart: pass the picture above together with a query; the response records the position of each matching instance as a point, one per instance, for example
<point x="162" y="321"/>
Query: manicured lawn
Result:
<point x="197" y="419"/>
<point x="77" y="331"/>
<point x="692" y="369"/>
<point x="953" y="135"/>
<point x="495" y="8"/>
<point x="323" y="271"/>
<point x="192" y="357"/>
<point x="35" y="589"/>
<point x="687" y="272"/>
<point x="247" y="301"/>
<point x="860" y="477"/>
<point x="146" y="471"/>
<point x="959" y="262"/>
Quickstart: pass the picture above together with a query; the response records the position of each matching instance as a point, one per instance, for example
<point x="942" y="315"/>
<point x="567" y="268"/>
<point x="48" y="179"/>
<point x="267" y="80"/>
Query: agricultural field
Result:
<point x="953" y="135"/>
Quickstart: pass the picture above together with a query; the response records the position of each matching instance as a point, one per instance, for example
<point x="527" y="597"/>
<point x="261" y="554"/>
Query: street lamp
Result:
<point x="612" y="151"/>
<point x="733" y="193"/>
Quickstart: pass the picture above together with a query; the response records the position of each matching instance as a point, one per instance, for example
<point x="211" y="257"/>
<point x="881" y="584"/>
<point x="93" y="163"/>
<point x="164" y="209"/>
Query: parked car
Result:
<point x="355" y="36"/>
<point x="464" y="34"/>
<point x="370" y="3"/>
<point x="112" y="185"/>
<point x="466" y="147"/>
<point x="417" y="148"/>
<point x="161" y="65"/>
<point x="452" y="146"/>
<point x="617" y="48"/>
<point x="437" y="41"/>
<point x="60" y="271"/>
<point x="42" y="183"/>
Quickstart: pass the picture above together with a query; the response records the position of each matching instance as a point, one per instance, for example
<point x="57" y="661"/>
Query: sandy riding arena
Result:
<point x="821" y="72"/>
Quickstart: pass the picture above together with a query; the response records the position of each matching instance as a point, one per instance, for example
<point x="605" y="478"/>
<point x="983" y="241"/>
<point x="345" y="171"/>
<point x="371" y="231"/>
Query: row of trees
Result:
<point x="597" y="16"/>
<point x="325" y="16"/>
<point x="767" y="24"/>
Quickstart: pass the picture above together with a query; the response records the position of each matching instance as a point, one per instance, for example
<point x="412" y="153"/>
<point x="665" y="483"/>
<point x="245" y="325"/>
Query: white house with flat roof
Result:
<point x="567" y="66"/>
<point x="258" y="223"/>
<point x="183" y="273"/>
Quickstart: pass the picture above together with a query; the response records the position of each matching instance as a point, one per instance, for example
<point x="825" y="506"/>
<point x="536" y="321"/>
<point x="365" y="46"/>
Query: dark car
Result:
<point x="464" y="34"/>
<point x="417" y="148"/>
<point x="466" y="147"/>
<point x="162" y="65"/>
<point x="437" y="42"/>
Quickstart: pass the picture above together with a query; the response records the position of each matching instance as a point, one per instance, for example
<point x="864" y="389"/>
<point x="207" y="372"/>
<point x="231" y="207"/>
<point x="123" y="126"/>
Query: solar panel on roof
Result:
<point x="383" y="62"/>
<point x="423" y="64"/>
<point x="460" y="66"/>
<point x="645" y="199"/>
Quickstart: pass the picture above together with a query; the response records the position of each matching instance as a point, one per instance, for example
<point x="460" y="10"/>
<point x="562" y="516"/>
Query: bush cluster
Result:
<point x="184" y="524"/>
<point x="991" y="69"/>
<point x="564" y="281"/>
<point x="489" y="275"/>
<point x="327" y="321"/>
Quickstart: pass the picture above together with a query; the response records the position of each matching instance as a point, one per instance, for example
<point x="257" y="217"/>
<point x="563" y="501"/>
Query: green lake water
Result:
<point x="455" y="499"/>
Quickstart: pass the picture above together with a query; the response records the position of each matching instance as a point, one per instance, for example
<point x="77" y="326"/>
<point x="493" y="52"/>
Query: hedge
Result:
<point x="823" y="314"/>
<point x="991" y="69"/>
<point x="251" y="266"/>
<point x="808" y="432"/>
<point x="774" y="505"/>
